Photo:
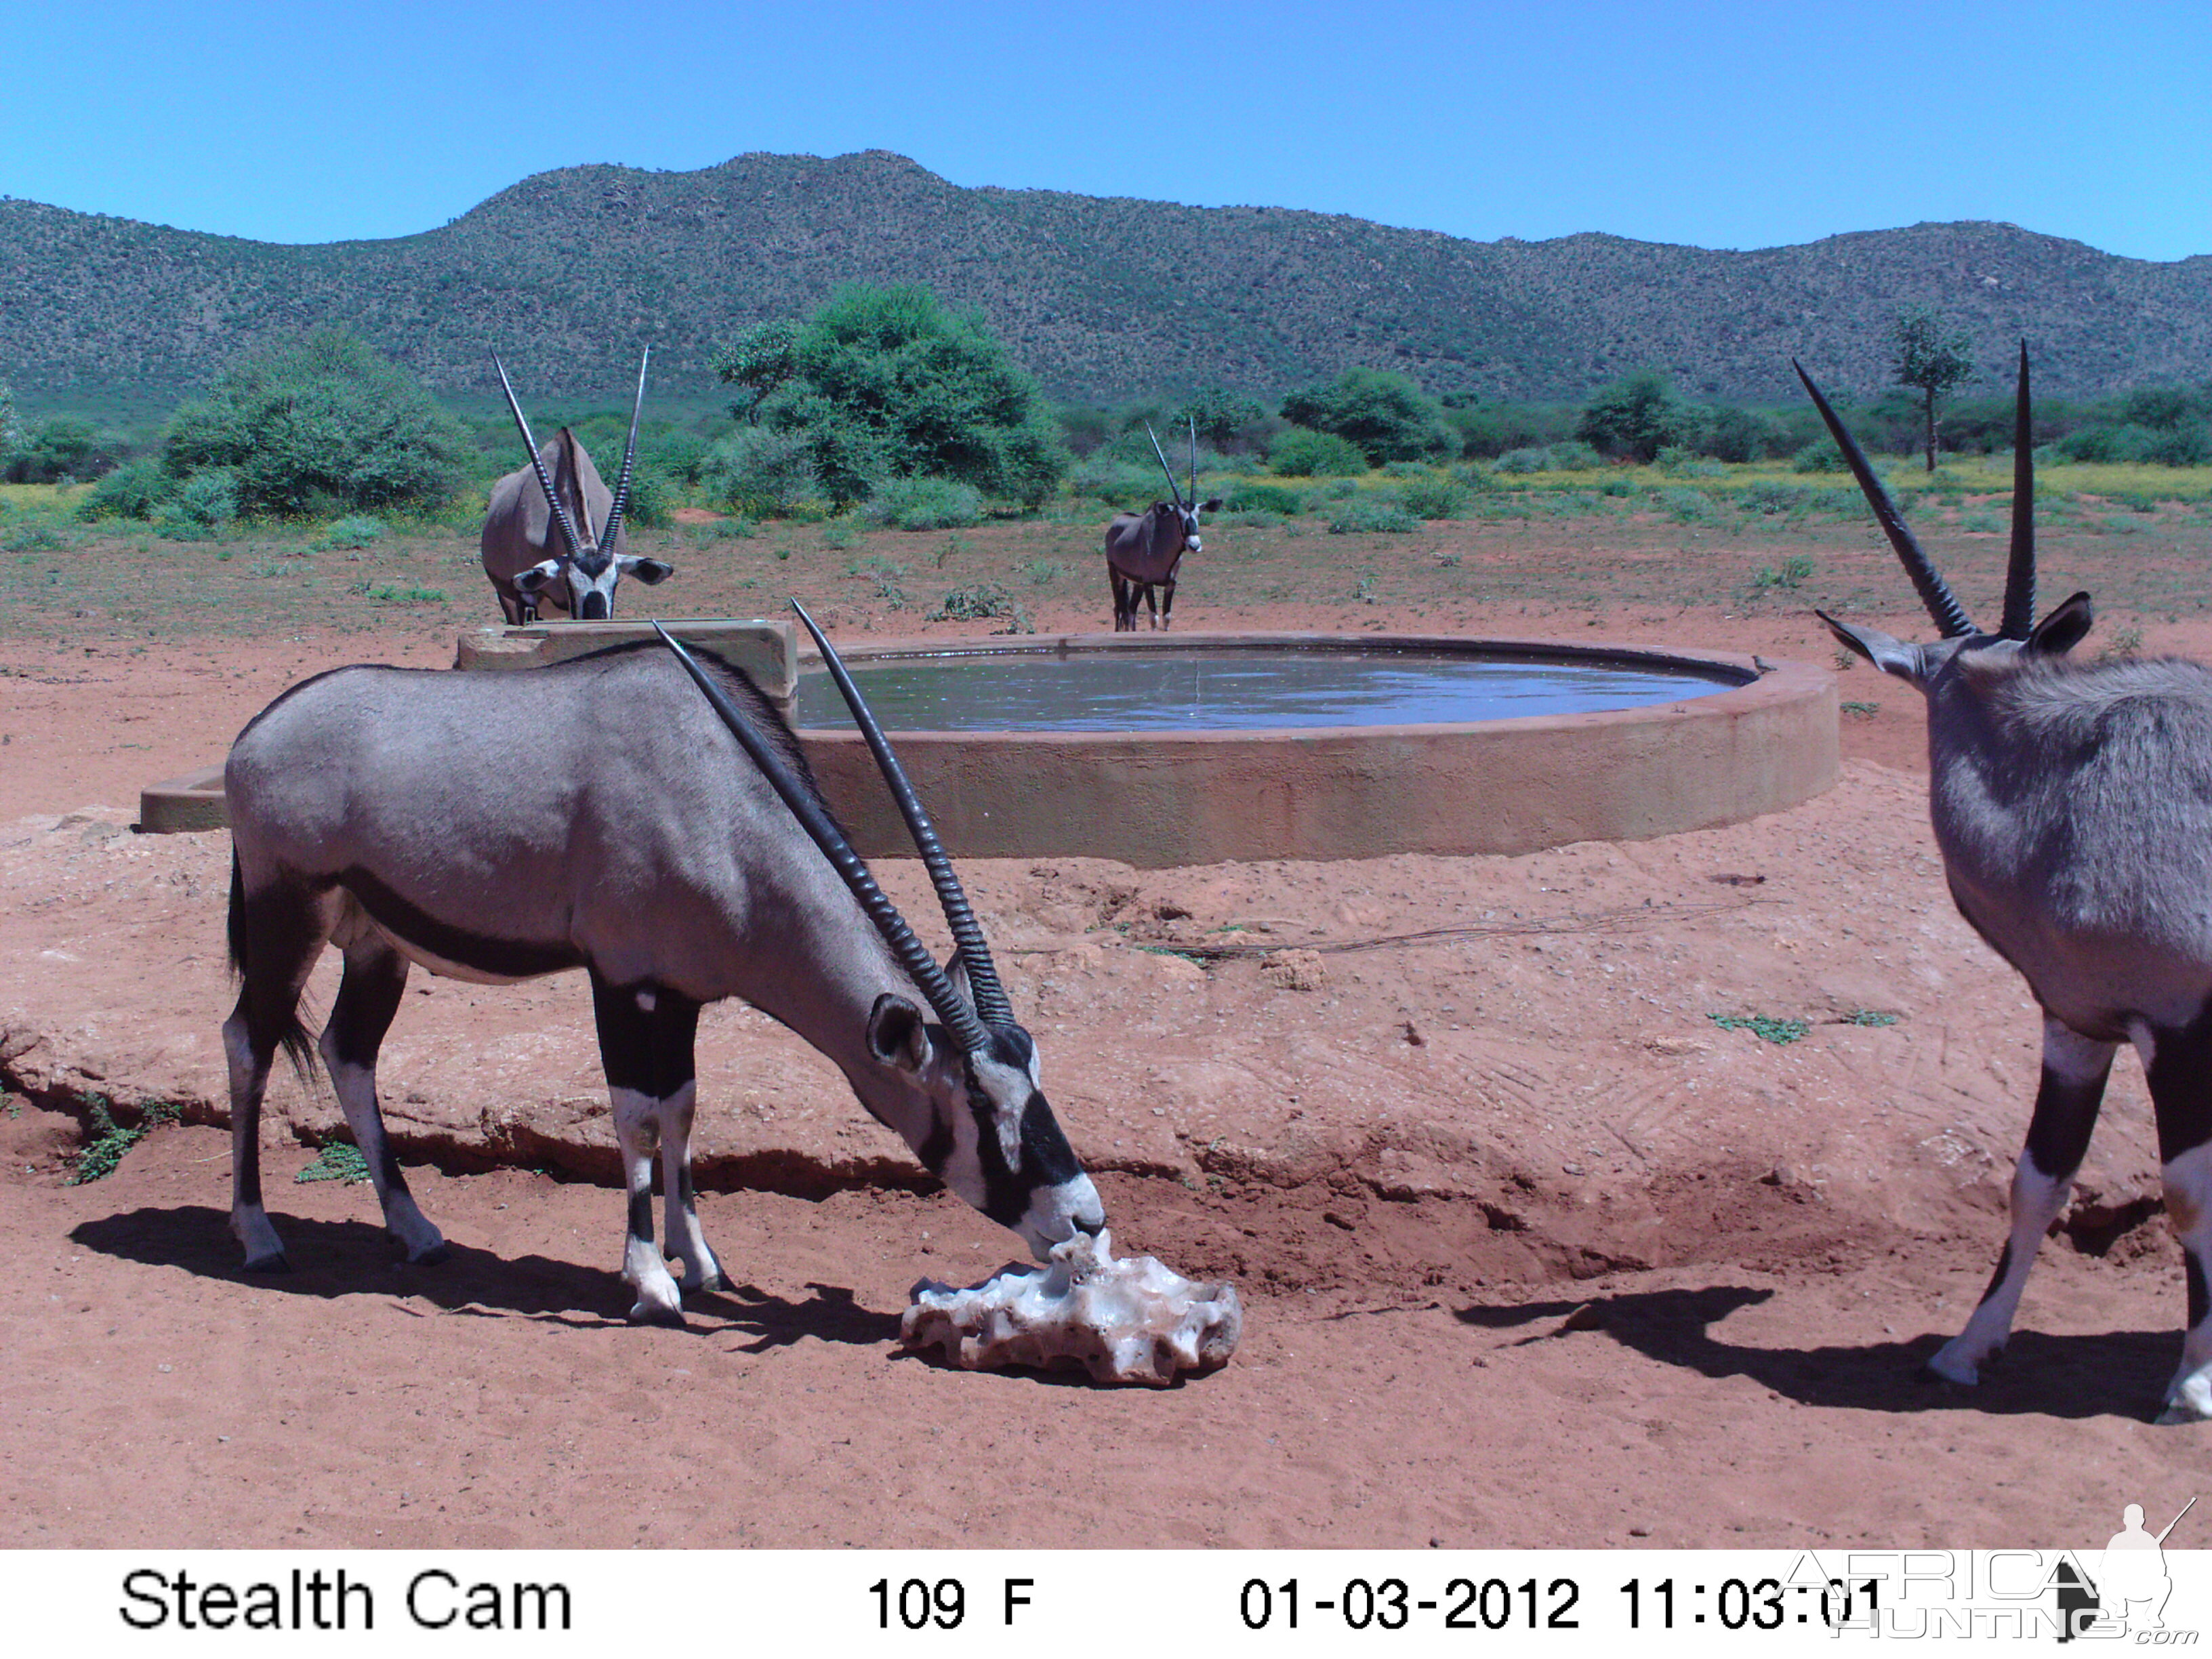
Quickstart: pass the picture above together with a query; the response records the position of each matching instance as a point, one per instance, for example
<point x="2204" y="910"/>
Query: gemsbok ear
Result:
<point x="2063" y="629"/>
<point x="648" y="571"/>
<point x="897" y="1035"/>
<point x="1212" y="504"/>
<point x="1888" y="654"/>
<point x="535" y="578"/>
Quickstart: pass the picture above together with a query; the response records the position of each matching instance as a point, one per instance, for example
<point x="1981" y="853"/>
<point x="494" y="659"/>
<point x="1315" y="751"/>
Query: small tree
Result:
<point x="323" y="423"/>
<point x="11" y="431"/>
<point x="760" y="361"/>
<point x="1390" y="418"/>
<point x="1932" y="358"/>
<point x="1636" y="415"/>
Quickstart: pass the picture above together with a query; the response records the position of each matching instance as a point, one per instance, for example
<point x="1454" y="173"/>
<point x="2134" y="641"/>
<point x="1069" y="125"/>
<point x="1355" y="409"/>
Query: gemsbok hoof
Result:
<point x="278" y="1263"/>
<point x="652" y="1313"/>
<point x="435" y="1256"/>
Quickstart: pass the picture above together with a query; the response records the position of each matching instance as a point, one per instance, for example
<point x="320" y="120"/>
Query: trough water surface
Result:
<point x="1238" y="690"/>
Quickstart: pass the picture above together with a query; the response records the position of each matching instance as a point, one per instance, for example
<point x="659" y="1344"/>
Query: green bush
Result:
<point x="1433" y="497"/>
<point x="983" y="601"/>
<point x="758" y="471"/>
<point x="890" y="384"/>
<point x="136" y="489"/>
<point x="1636" y="415"/>
<point x="1248" y="497"/>
<point x="1385" y="414"/>
<point x="320" y="424"/>
<point x="1223" y="417"/>
<point x="60" y="449"/>
<point x="1372" y="512"/>
<point x="1821" y="455"/>
<point x="925" y="504"/>
<point x="1728" y="434"/>
<point x="2183" y="444"/>
<point x="205" y="502"/>
<point x="360" y="530"/>
<point x="1300" y="453"/>
<point x="1685" y="506"/>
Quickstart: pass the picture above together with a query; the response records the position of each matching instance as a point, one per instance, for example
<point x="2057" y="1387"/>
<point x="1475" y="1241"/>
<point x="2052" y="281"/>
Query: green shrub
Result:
<point x="1433" y="497"/>
<point x="1685" y="506"/>
<point x="1300" y="453"/>
<point x="205" y="503"/>
<point x="136" y="489"/>
<point x="925" y="504"/>
<point x="1821" y="455"/>
<point x="976" y="603"/>
<point x="1372" y="512"/>
<point x="320" y="424"/>
<point x="62" y="449"/>
<point x="360" y="530"/>
<point x="890" y="384"/>
<point x="1246" y="497"/>
<point x="759" y="472"/>
<point x="1386" y="414"/>
<point x="1636" y="415"/>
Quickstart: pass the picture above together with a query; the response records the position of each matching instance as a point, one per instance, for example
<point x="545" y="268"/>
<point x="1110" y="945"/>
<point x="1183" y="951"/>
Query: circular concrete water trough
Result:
<point x="1207" y="759"/>
<point x="1705" y="738"/>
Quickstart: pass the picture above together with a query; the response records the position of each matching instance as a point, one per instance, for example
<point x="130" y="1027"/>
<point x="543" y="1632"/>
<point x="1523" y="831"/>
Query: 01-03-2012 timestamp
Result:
<point x="1496" y="1604"/>
<point x="1735" y="1604"/>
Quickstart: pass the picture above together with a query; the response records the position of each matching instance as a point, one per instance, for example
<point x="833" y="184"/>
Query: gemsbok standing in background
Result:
<point x="538" y="549"/>
<point x="675" y="847"/>
<point x="1144" y="549"/>
<point x="2072" y="803"/>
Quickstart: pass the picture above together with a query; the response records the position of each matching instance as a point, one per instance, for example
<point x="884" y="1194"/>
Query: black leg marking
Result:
<point x="2180" y="1072"/>
<point x="641" y="1215"/>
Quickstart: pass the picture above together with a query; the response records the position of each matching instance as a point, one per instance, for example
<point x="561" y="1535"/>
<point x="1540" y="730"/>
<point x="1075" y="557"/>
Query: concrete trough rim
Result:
<point x="1154" y="799"/>
<point x="1794" y="679"/>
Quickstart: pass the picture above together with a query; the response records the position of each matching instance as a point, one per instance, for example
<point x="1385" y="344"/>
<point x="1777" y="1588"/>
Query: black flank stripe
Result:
<point x="508" y="958"/>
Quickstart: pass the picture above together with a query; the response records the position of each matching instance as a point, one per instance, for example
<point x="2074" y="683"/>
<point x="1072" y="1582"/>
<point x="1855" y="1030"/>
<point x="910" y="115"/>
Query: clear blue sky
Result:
<point x="1722" y="125"/>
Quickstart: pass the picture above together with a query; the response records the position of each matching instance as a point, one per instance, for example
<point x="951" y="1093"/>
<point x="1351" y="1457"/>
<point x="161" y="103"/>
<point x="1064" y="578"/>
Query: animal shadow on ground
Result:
<point x="358" y="1258"/>
<point x="2112" y="1373"/>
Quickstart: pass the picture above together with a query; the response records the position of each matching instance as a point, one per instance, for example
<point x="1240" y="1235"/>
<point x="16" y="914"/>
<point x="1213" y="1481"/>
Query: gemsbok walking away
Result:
<point x="2072" y="803"/>
<point x="1145" y="550"/>
<point x="537" y="546"/>
<point x="675" y="847"/>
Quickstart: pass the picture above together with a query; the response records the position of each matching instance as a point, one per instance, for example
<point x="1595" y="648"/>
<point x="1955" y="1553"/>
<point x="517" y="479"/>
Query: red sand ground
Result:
<point x="1417" y="1171"/>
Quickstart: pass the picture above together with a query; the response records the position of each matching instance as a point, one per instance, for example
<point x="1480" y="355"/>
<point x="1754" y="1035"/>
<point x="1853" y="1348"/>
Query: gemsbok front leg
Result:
<point x="2074" y="1070"/>
<point x="368" y="996"/>
<point x="646" y="1036"/>
<point x="2180" y="1064"/>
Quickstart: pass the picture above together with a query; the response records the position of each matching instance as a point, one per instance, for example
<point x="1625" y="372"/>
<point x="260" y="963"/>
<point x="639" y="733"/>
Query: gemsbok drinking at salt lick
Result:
<point x="671" y="845"/>
<point x="2072" y="803"/>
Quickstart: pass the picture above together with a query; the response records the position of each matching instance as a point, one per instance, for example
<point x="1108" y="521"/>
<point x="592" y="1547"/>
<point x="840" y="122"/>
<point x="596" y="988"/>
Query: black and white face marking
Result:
<point x="992" y="1137"/>
<point x="592" y="588"/>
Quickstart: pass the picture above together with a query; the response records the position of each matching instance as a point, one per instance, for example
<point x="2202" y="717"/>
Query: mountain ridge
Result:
<point x="568" y="271"/>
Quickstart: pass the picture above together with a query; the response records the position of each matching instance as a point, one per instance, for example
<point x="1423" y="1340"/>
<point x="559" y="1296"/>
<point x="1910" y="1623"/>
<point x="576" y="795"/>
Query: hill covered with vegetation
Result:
<point x="568" y="273"/>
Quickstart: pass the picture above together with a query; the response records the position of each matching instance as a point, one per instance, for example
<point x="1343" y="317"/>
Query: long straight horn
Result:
<point x="1934" y="593"/>
<point x="538" y="465"/>
<point x="990" y="1002"/>
<point x="2020" y="573"/>
<point x="913" y="955"/>
<point x="629" y="460"/>
<point x="1194" y="460"/>
<point x="1174" y="489"/>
